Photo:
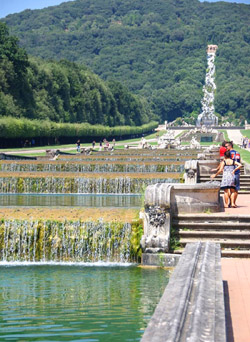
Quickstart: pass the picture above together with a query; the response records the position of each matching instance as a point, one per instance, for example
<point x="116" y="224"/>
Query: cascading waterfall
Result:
<point x="65" y="241"/>
<point x="109" y="167"/>
<point x="207" y="117"/>
<point x="39" y="240"/>
<point x="80" y="185"/>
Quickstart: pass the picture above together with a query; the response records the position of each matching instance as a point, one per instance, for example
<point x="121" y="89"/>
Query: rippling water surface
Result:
<point x="82" y="200"/>
<point x="77" y="303"/>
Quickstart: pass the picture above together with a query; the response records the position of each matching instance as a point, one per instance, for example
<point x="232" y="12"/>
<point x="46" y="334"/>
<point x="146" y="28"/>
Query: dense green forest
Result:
<point x="62" y="91"/>
<point x="157" y="49"/>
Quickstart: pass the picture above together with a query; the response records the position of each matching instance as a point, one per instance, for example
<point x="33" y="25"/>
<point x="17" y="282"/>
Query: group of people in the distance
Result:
<point x="245" y="142"/>
<point x="102" y="143"/>
<point x="230" y="166"/>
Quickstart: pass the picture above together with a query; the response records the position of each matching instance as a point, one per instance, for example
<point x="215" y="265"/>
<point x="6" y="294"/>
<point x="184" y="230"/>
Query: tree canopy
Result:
<point x="157" y="49"/>
<point x="62" y="91"/>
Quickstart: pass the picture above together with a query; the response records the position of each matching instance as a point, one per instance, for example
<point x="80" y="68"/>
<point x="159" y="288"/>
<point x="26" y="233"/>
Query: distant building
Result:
<point x="212" y="49"/>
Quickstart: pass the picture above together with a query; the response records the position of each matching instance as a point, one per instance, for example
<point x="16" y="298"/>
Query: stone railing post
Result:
<point x="191" y="172"/>
<point x="246" y="168"/>
<point x="157" y="219"/>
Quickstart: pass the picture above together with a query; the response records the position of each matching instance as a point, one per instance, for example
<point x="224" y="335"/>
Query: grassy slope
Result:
<point x="245" y="155"/>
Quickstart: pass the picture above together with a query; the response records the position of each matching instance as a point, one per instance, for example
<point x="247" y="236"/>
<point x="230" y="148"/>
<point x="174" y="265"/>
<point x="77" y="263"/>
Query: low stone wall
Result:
<point x="246" y="168"/>
<point x="184" y="198"/>
<point x="196" y="168"/>
<point x="161" y="260"/>
<point x="196" y="198"/>
<point x="162" y="201"/>
<point x="192" y="306"/>
<point x="205" y="166"/>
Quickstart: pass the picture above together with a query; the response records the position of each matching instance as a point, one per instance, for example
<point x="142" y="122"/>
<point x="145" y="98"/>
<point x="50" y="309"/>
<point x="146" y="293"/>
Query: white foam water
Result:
<point x="54" y="263"/>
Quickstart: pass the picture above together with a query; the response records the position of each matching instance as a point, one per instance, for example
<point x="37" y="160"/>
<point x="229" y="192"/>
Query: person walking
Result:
<point x="245" y="142"/>
<point x="78" y="146"/>
<point x="235" y="156"/>
<point x="222" y="149"/>
<point x="228" y="166"/>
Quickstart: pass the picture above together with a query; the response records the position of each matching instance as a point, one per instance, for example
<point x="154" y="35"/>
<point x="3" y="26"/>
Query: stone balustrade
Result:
<point x="246" y="168"/>
<point x="163" y="200"/>
<point x="192" y="306"/>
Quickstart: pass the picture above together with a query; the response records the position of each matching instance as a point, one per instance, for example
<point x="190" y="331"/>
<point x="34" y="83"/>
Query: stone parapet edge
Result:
<point x="192" y="306"/>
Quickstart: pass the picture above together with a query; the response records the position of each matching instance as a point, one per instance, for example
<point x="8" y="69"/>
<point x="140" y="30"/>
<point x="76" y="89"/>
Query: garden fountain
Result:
<point x="207" y="117"/>
<point x="63" y="246"/>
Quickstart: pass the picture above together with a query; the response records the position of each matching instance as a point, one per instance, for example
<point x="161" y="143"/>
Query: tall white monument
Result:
<point x="207" y="117"/>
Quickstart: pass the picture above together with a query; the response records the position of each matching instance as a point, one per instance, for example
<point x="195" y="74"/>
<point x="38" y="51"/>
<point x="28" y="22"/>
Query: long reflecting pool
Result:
<point x="74" y="200"/>
<point x="77" y="303"/>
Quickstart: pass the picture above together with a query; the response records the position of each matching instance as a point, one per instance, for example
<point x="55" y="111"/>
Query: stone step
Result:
<point x="226" y="253"/>
<point x="225" y="243"/>
<point x="225" y="226"/>
<point x="205" y="176"/>
<point x="237" y="234"/>
<point x="242" y="181"/>
<point x="246" y="192"/>
<point x="212" y="218"/>
<point x="234" y="253"/>
<point x="208" y="178"/>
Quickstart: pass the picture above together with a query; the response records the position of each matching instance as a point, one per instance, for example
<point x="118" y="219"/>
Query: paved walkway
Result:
<point x="236" y="136"/>
<point x="243" y="203"/>
<point x="236" y="280"/>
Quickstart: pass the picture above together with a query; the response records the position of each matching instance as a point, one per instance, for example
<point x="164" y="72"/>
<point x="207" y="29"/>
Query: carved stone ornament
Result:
<point x="156" y="230"/>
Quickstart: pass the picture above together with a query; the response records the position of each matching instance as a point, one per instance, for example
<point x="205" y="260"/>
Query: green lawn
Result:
<point x="245" y="133"/>
<point x="72" y="147"/>
<point x="245" y="155"/>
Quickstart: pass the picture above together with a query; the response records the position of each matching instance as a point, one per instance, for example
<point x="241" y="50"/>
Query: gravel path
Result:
<point x="236" y="136"/>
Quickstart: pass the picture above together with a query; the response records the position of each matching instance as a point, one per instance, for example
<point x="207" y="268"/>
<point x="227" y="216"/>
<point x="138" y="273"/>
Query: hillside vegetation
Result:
<point x="157" y="49"/>
<point x="62" y="91"/>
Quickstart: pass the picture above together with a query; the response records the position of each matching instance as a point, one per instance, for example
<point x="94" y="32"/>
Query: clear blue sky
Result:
<point x="14" y="6"/>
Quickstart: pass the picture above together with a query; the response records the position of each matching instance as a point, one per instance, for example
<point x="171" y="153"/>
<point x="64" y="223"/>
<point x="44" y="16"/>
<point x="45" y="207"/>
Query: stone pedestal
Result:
<point x="164" y="200"/>
<point x="160" y="259"/>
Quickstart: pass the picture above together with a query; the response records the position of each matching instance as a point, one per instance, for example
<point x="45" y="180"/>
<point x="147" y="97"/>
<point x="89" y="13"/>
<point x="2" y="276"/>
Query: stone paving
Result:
<point x="243" y="203"/>
<point x="236" y="279"/>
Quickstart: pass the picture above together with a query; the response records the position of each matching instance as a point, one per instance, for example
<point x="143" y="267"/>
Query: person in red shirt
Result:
<point x="222" y="149"/>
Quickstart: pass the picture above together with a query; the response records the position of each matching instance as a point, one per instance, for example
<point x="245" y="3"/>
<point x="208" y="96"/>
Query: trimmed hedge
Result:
<point x="24" y="128"/>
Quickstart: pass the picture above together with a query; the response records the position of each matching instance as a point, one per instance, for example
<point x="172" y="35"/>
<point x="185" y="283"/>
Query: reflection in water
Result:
<point x="62" y="303"/>
<point x="74" y="200"/>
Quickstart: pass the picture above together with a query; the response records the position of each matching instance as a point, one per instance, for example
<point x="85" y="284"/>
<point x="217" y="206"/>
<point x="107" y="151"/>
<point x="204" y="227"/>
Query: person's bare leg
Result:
<point x="236" y="195"/>
<point x="226" y="197"/>
<point x="233" y="198"/>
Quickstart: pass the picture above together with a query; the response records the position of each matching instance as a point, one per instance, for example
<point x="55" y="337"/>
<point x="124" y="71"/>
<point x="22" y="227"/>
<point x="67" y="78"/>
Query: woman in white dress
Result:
<point x="228" y="167"/>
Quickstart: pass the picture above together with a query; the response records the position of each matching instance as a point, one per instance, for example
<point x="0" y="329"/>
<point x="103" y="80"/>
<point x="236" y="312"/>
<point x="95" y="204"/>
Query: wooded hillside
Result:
<point x="62" y="91"/>
<point x="156" y="48"/>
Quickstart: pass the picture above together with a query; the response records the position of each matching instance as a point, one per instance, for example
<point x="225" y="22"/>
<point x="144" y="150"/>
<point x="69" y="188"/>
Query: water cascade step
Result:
<point x="65" y="234"/>
<point x="24" y="240"/>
